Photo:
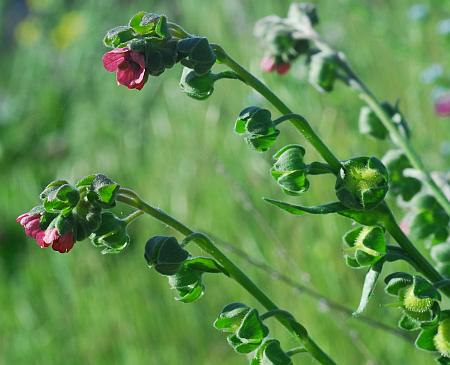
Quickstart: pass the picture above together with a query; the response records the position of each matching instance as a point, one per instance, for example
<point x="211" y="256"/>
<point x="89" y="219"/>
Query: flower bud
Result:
<point x="188" y="283"/>
<point x="231" y="317"/>
<point x="197" y="86"/>
<point x="289" y="170"/>
<point x="362" y="183"/>
<point x="150" y="25"/>
<point x="112" y="234"/>
<point x="59" y="196"/>
<point x="118" y="36"/>
<point x="323" y="71"/>
<point x="257" y="127"/>
<point x="196" y="53"/>
<point x="165" y="254"/>
<point x="442" y="338"/>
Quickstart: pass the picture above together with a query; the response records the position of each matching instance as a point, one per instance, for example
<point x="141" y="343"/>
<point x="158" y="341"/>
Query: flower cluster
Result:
<point x="286" y="39"/>
<point x="72" y="213"/>
<point x="148" y="45"/>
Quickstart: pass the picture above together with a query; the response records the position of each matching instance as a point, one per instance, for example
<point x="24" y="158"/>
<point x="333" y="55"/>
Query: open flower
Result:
<point x="269" y="64"/>
<point x="128" y="65"/>
<point x="31" y="224"/>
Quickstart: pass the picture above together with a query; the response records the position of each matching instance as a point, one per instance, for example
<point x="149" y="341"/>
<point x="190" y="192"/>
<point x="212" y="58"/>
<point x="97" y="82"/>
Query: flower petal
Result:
<point x="113" y="59"/>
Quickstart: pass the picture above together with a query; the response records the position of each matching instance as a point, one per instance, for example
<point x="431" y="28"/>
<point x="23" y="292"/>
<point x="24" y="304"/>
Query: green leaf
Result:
<point x="301" y="210"/>
<point x="369" y="286"/>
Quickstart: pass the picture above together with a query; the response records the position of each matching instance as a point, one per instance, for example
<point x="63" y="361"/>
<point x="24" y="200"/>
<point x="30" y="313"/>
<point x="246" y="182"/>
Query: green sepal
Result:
<point x="239" y="346"/>
<point x="252" y="329"/>
<point x="46" y="219"/>
<point x="425" y="340"/>
<point x="112" y="234"/>
<point x="302" y="210"/>
<point x="257" y="127"/>
<point x="289" y="170"/>
<point x="59" y="196"/>
<point x="231" y="316"/>
<point x="204" y="264"/>
<point x="397" y="281"/>
<point x="150" y="24"/>
<point x="424" y="289"/>
<point x="442" y="360"/>
<point x="188" y="283"/>
<point x="441" y="252"/>
<point x="196" y="54"/>
<point x="408" y="324"/>
<point x="100" y="190"/>
<point x="118" y="36"/>
<point x="431" y="219"/>
<point x="196" y="86"/>
<point x="165" y="255"/>
<point x="270" y="353"/>
<point x="64" y="223"/>
<point x="368" y="244"/>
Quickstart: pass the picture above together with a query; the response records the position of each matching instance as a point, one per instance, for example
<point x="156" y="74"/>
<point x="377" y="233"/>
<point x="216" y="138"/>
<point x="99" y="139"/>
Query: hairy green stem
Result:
<point x="296" y="350"/>
<point x="132" y="199"/>
<point x="133" y="216"/>
<point x="299" y="122"/>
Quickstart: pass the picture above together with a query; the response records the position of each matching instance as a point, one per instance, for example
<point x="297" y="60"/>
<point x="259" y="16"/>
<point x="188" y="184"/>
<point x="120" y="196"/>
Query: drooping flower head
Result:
<point x="32" y="226"/>
<point x="269" y="64"/>
<point x="128" y="65"/>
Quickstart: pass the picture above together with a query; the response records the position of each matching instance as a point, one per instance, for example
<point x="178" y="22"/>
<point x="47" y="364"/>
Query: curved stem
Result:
<point x="133" y="216"/>
<point x="207" y="245"/>
<point x="420" y="262"/>
<point x="296" y="350"/>
<point x="299" y="122"/>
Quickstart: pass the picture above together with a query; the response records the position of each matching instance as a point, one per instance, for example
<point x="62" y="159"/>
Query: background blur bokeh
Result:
<point x="62" y="115"/>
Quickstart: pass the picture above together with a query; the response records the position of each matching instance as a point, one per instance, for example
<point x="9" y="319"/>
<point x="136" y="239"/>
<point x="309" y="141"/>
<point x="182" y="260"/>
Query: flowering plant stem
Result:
<point x="130" y="198"/>
<point x="302" y="125"/>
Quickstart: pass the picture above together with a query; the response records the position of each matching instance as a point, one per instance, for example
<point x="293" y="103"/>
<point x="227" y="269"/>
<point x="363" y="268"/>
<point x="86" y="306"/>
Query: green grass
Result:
<point x="63" y="116"/>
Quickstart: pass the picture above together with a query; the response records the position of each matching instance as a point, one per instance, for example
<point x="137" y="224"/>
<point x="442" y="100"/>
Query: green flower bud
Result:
<point x="165" y="255"/>
<point x="366" y="245"/>
<point x="112" y="234"/>
<point x="188" y="283"/>
<point x="99" y="189"/>
<point x="289" y="170"/>
<point x="362" y="183"/>
<point x="231" y="317"/>
<point x="323" y="71"/>
<point x="396" y="162"/>
<point x="257" y="127"/>
<point x="197" y="86"/>
<point x="196" y="53"/>
<point x="442" y="338"/>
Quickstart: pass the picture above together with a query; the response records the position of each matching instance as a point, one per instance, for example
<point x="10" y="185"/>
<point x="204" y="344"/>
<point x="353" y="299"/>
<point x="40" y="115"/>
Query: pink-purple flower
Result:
<point x="31" y="224"/>
<point x="269" y="64"/>
<point x="128" y="65"/>
<point x="442" y="106"/>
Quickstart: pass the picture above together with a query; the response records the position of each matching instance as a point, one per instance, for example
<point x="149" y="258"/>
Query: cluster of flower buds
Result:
<point x="257" y="127"/>
<point x="148" y="45"/>
<point x="285" y="39"/>
<point x="72" y="213"/>
<point x="248" y="333"/>
<point x="371" y="125"/>
<point x="362" y="183"/>
<point x="185" y="273"/>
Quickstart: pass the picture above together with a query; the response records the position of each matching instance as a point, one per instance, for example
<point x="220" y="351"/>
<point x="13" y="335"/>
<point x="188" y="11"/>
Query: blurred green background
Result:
<point x="62" y="116"/>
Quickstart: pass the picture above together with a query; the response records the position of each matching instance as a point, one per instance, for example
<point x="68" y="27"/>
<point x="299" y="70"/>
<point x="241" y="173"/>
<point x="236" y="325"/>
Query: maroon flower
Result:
<point x="128" y="65"/>
<point x="269" y="64"/>
<point x="59" y="243"/>
<point x="442" y="106"/>
<point x="51" y="236"/>
<point x="31" y="224"/>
